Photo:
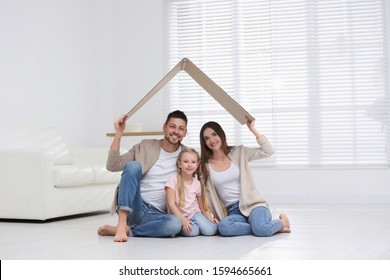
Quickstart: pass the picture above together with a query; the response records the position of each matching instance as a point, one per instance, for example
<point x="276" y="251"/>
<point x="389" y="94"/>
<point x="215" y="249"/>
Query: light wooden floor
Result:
<point x="319" y="232"/>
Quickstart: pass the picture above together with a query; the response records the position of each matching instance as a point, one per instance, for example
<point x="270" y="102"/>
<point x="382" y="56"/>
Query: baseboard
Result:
<point x="329" y="199"/>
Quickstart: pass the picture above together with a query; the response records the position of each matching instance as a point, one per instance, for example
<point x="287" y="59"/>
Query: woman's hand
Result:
<point x="251" y="126"/>
<point x="250" y="123"/>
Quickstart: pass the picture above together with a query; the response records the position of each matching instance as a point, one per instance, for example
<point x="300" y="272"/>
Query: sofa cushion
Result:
<point x="103" y="176"/>
<point x="79" y="175"/>
<point x="73" y="175"/>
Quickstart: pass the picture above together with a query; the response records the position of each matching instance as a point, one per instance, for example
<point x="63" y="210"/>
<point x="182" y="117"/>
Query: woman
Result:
<point x="230" y="187"/>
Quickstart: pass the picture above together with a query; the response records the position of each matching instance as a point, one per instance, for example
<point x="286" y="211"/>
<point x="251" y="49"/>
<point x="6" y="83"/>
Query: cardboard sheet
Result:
<point x="226" y="101"/>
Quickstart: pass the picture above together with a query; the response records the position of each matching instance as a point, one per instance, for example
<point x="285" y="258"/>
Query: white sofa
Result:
<point x="41" y="178"/>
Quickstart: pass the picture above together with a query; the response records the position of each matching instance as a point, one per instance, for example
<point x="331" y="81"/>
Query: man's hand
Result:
<point x="120" y="124"/>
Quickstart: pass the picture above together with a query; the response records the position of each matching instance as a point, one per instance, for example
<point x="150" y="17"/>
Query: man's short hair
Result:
<point x="177" y="115"/>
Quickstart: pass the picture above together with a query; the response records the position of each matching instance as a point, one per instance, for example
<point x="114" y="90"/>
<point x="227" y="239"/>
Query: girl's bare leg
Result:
<point x="286" y="223"/>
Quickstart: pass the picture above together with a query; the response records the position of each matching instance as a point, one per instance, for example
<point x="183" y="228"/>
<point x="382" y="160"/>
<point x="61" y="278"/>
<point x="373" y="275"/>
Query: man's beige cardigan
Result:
<point x="250" y="196"/>
<point x="146" y="153"/>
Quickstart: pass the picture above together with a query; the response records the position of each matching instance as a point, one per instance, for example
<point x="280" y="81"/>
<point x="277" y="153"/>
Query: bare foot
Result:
<point x="285" y="230"/>
<point x="286" y="223"/>
<point x="122" y="233"/>
<point x="107" y="230"/>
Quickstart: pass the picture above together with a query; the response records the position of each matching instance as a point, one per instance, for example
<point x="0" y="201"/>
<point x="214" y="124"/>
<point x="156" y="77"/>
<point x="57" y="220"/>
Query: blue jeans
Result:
<point x="259" y="222"/>
<point x="201" y="226"/>
<point x="144" y="219"/>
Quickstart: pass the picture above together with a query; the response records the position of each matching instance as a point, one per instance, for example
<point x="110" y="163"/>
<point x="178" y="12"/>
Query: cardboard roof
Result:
<point x="235" y="109"/>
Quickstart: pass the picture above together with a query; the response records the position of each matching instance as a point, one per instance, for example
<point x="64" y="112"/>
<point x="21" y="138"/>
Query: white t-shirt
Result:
<point x="191" y="193"/>
<point x="152" y="183"/>
<point x="227" y="183"/>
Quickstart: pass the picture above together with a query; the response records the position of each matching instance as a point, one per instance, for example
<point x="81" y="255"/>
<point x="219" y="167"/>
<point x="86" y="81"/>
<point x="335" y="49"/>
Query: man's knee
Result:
<point x="172" y="225"/>
<point x="133" y="168"/>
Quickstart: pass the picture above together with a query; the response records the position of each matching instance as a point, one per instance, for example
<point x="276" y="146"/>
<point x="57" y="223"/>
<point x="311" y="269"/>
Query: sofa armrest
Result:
<point x="26" y="177"/>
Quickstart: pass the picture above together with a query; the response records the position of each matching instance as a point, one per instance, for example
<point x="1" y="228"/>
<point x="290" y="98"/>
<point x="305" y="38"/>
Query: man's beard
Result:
<point x="170" y="142"/>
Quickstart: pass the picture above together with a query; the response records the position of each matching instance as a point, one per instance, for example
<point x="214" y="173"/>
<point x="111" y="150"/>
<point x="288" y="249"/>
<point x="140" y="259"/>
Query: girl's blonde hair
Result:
<point x="180" y="182"/>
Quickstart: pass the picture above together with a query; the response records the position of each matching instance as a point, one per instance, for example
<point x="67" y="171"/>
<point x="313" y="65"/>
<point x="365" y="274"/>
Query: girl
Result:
<point x="230" y="186"/>
<point x="186" y="198"/>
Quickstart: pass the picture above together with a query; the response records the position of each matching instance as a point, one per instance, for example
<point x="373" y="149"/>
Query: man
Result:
<point x="140" y="198"/>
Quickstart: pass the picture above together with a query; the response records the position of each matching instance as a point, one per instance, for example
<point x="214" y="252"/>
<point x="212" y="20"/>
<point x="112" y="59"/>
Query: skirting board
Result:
<point x="327" y="199"/>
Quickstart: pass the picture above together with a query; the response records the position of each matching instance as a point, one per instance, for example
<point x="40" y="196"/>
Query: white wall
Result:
<point x="48" y="69"/>
<point x="78" y="64"/>
<point x="343" y="186"/>
<point x="138" y="60"/>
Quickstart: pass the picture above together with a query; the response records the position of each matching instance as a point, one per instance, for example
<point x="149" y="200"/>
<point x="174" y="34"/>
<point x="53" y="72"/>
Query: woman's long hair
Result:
<point x="180" y="188"/>
<point x="206" y="152"/>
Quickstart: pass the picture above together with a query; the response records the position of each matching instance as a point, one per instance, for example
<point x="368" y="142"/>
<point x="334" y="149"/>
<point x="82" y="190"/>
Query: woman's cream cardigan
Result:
<point x="250" y="196"/>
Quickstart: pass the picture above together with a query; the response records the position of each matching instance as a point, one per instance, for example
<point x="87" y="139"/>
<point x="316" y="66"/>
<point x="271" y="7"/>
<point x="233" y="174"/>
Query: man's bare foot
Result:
<point x="122" y="233"/>
<point x="107" y="230"/>
<point x="286" y="223"/>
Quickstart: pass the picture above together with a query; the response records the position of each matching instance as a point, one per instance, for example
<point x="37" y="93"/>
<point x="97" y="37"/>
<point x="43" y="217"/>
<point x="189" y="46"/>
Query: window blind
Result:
<point x="312" y="73"/>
